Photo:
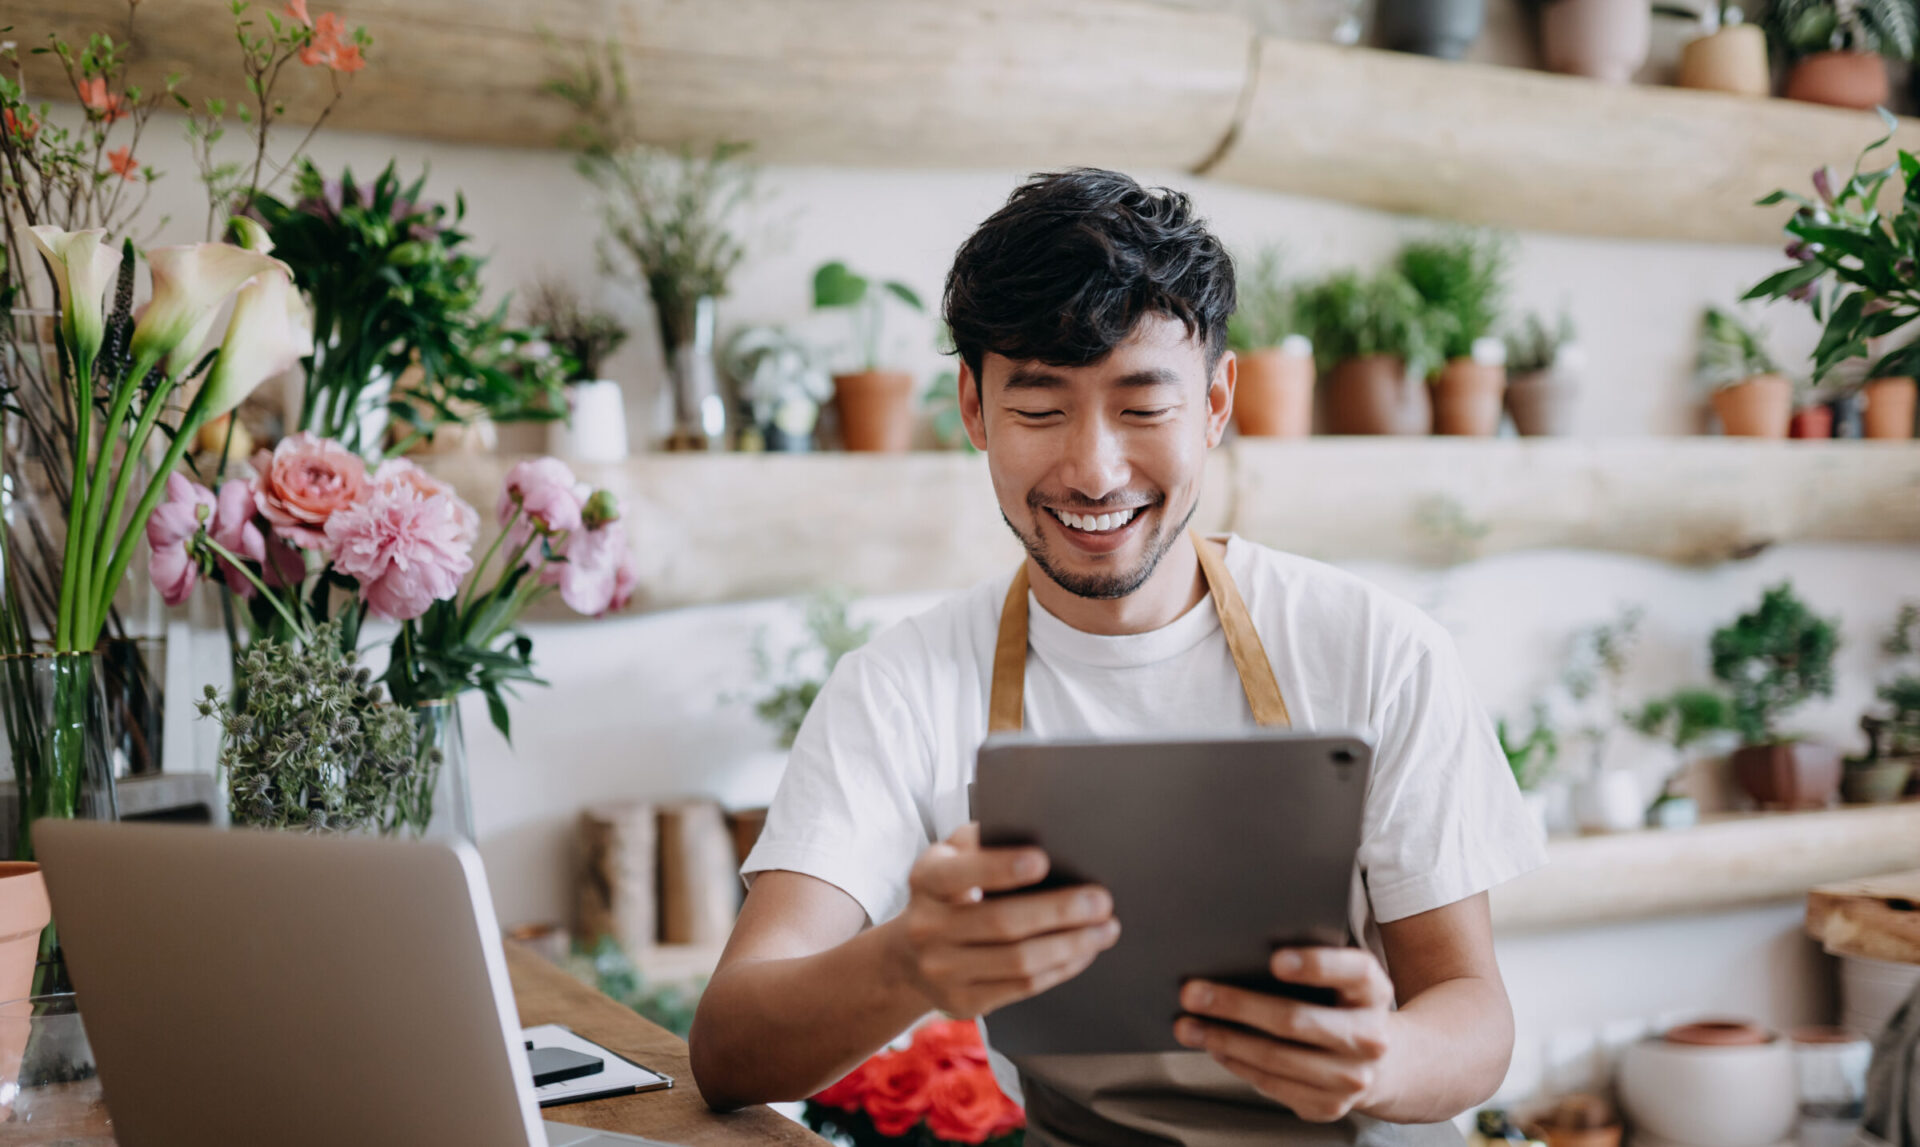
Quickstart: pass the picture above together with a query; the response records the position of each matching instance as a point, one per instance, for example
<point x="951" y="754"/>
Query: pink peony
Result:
<point x="405" y="550"/>
<point x="549" y="497"/>
<point x="596" y="572"/>
<point x="234" y="529"/>
<point x="400" y="471"/>
<point x="303" y="483"/>
<point x="173" y="524"/>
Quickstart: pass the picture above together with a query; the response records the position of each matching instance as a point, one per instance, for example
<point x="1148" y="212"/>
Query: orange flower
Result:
<point x="122" y="161"/>
<point x="21" y="128"/>
<point x="108" y="106"/>
<point x="297" y="11"/>
<point x="326" y="49"/>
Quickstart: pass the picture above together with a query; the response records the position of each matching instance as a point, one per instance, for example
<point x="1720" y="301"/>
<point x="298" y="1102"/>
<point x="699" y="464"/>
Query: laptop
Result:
<point x="305" y="991"/>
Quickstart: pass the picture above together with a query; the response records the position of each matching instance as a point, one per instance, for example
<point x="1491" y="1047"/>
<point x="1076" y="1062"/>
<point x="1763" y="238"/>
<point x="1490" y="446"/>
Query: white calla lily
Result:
<point x="189" y="283"/>
<point x="269" y="332"/>
<point x="187" y="351"/>
<point x="251" y="234"/>
<point x="84" y="265"/>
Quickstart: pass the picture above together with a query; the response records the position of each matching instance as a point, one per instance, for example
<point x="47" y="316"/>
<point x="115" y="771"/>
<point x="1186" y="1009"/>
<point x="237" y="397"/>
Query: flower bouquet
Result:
<point x="938" y="1090"/>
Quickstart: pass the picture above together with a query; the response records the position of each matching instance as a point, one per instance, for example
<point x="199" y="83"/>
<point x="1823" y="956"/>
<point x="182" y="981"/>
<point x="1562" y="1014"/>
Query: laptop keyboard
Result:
<point x="566" y="1135"/>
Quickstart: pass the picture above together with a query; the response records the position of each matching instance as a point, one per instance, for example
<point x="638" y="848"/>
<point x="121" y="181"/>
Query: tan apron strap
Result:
<point x="1243" y="641"/>
<point x="1005" y="705"/>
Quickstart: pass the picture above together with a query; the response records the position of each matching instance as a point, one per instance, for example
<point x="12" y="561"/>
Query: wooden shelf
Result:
<point x="1032" y="84"/>
<point x="715" y="528"/>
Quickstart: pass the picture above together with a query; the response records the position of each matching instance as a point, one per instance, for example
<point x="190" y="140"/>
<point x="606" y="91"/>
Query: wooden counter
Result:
<point x="547" y="995"/>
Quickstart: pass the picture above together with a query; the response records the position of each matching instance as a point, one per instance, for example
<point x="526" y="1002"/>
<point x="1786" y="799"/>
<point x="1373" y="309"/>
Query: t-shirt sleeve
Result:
<point x="1444" y="819"/>
<point x="848" y="810"/>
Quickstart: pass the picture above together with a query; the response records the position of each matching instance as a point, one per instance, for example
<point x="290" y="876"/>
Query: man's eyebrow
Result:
<point x="1034" y="378"/>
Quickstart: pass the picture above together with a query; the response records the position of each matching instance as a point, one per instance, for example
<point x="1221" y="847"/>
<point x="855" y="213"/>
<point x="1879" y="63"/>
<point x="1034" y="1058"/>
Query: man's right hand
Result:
<point x="968" y="953"/>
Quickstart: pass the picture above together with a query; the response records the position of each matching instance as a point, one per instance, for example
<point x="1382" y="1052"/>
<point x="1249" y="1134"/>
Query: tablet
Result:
<point x="1216" y="851"/>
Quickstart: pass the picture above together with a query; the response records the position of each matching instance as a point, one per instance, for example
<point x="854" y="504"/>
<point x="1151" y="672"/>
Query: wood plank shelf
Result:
<point x="716" y="528"/>
<point x="1031" y="84"/>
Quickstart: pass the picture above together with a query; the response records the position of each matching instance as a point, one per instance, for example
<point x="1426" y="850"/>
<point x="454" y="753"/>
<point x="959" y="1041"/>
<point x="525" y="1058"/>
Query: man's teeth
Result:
<point x="1097" y="523"/>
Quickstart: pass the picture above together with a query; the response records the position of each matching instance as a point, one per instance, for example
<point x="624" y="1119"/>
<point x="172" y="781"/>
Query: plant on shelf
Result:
<point x="938" y="1091"/>
<point x="1682" y="719"/>
<point x="1835" y="47"/>
<point x="781" y="383"/>
<point x="609" y="970"/>
<point x="584" y="338"/>
<point x="1462" y="278"/>
<point x="1273" y="396"/>
<point x="1730" y="54"/>
<point x="1608" y="796"/>
<point x="876" y="405"/>
<point x="831" y="635"/>
<point x="1375" y="342"/>
<point x="1543" y="363"/>
<point x="1531" y="757"/>
<point x="1771" y="660"/>
<point x="1893" y="735"/>
<point x="1748" y="391"/>
<point x="1855" y="267"/>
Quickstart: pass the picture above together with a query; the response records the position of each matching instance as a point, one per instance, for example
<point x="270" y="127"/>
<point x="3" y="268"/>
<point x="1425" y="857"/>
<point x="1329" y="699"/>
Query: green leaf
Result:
<point x="497" y="711"/>
<point x="1781" y="283"/>
<point x="835" y="286"/>
<point x="906" y="295"/>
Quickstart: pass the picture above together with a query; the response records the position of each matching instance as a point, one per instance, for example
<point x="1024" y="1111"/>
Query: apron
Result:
<point x="1172" y="1099"/>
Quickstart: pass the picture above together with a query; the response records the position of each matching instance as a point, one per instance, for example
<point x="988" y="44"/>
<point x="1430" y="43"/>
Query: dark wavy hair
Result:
<point x="1064" y="272"/>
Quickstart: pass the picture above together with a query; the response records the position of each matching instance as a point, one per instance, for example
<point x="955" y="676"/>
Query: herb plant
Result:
<point x="1731" y="350"/>
<point x="1347" y="316"/>
<point x="1803" y="27"/>
<point x="1534" y="346"/>
<point x="1531" y="758"/>
<point x="585" y="338"/>
<point x="832" y="635"/>
<point x="1266" y="315"/>
<point x="834" y="286"/>
<point x="1462" y="278"/>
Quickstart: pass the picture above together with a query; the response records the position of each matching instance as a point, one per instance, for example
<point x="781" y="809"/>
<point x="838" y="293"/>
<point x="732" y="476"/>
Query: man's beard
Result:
<point x="1113" y="583"/>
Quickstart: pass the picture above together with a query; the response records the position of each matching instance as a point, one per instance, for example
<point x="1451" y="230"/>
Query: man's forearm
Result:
<point x="775" y="1030"/>
<point x="1450" y="1051"/>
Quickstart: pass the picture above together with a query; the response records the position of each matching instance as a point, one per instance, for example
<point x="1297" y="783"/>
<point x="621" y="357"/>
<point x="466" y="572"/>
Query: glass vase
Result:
<point x="49" y="1088"/>
<point x="54" y="709"/>
<point x="699" y="410"/>
<point x="435" y="802"/>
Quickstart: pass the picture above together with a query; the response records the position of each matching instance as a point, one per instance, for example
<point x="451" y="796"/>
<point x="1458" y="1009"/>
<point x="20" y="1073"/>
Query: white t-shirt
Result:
<point x="880" y="768"/>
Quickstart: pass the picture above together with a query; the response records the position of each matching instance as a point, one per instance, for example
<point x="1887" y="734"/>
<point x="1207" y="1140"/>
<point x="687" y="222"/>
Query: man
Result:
<point x="1090" y="316"/>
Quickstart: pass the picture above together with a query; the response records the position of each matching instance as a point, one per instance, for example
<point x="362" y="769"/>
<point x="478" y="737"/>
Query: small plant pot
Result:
<point x="1811" y="422"/>
<point x="1610" y="801"/>
<point x="1541" y="402"/>
<point x="1882" y="782"/>
<point x="1466" y="398"/>
<point x="1373" y="395"/>
<point x="1441" y="28"/>
<point x="1788" y="775"/>
<point x="1273" y="397"/>
<point x="24" y="912"/>
<point x="1759" y="407"/>
<point x="1734" y="59"/>
<point x="1849" y="415"/>
<point x="876" y="410"/>
<point x="1840" y="79"/>
<point x="1606" y="40"/>
<point x="1674" y="812"/>
<point x="1889" y="409"/>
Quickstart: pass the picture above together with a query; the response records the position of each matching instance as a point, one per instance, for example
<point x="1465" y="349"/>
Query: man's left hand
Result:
<point x="1320" y="1062"/>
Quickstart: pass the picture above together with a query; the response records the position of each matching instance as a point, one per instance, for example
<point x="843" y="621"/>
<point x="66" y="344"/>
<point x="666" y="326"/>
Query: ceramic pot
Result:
<point x="1840" y="79"/>
<point x="1603" y="39"/>
<point x="1879" y="783"/>
<point x="1849" y="415"/>
<point x="595" y="429"/>
<point x="1442" y="28"/>
<point x="1541" y="402"/>
<point x="1759" y="407"/>
<point x="1831" y="1066"/>
<point x="1889" y="410"/>
<point x="1734" y="59"/>
<point x="1466" y="398"/>
<point x="876" y="410"/>
<point x="1610" y="801"/>
<point x="1872" y="990"/>
<point x="1788" y="774"/>
<point x="24" y="913"/>
<point x="1728" y="1095"/>
<point x="1373" y="395"/>
<point x="1811" y="422"/>
<point x="1273" y="396"/>
<point x="1674" y="812"/>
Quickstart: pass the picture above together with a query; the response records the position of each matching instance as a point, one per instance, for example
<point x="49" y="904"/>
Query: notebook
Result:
<point x="621" y="1076"/>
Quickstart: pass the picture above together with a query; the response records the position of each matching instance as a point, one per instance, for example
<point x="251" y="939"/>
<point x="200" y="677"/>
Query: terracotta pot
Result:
<point x="1811" y="422"/>
<point x="1466" y="398"/>
<point x="1373" y="395"/>
<point x="1541" y="402"/>
<point x="1442" y="28"/>
<point x="1718" y="1033"/>
<point x="876" y="410"/>
<point x="1789" y="774"/>
<point x="1760" y="407"/>
<point x="1889" y="411"/>
<point x="1583" y="1137"/>
<point x="1841" y="79"/>
<point x="1734" y="59"/>
<point x="1604" y="39"/>
<point x="1879" y="783"/>
<point x="1273" y="397"/>
<point x="24" y="913"/>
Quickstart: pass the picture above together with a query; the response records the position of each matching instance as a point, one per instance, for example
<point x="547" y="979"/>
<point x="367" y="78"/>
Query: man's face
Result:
<point x="1098" y="467"/>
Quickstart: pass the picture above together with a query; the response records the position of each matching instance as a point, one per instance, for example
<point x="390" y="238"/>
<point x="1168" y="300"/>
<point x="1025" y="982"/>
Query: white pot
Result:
<point x="1871" y="991"/>
<point x="597" y="426"/>
<point x="1610" y="801"/>
<point x="1710" y="1096"/>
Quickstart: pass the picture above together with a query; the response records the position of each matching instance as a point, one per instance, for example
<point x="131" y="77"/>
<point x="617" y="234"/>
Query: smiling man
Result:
<point x="1090" y="318"/>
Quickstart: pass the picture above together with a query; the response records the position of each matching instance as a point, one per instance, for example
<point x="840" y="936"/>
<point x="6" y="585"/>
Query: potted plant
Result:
<point x="1441" y="28"/>
<point x="1836" y="50"/>
<point x="1682" y="720"/>
<point x="780" y="382"/>
<point x="1610" y="797"/>
<point x="1751" y="396"/>
<point x="1771" y="660"/>
<point x="1602" y="39"/>
<point x="1531" y="758"/>
<point x="876" y="405"/>
<point x="1542" y="384"/>
<point x="1462" y="280"/>
<point x="595" y="429"/>
<point x="1730" y="55"/>
<point x="1374" y="344"/>
<point x="1893" y="739"/>
<point x="1273" y="393"/>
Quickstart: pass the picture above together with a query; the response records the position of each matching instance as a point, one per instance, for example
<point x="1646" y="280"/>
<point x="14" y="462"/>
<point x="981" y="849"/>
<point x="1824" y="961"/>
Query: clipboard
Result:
<point x="621" y="1076"/>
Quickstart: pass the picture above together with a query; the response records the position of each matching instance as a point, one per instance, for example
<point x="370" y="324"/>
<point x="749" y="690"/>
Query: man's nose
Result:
<point x="1095" y="463"/>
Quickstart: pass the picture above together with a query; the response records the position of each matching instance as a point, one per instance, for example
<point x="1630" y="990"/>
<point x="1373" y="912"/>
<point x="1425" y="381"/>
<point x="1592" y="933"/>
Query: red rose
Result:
<point x="1012" y="1118"/>
<point x="966" y="1105"/>
<point x="898" y="1090"/>
<point x="848" y="1092"/>
<point x="951" y="1043"/>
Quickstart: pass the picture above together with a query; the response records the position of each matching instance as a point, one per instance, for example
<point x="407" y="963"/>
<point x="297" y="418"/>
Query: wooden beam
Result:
<point x="1877" y="918"/>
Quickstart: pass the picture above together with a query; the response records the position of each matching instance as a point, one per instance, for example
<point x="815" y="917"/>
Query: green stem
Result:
<point x="107" y="519"/>
<point x="70" y="589"/>
<point x="240" y="564"/>
<point x="512" y="564"/>
<point x="176" y="450"/>
<point x="480" y="569"/>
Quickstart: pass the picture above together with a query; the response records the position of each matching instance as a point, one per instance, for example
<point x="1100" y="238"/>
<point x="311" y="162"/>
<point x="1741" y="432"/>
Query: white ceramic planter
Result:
<point x="597" y="426"/>
<point x="1710" y="1096"/>
<point x="1610" y="801"/>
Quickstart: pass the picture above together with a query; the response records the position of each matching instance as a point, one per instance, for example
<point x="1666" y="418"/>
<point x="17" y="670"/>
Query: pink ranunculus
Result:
<point x="234" y="529"/>
<point x="405" y="550"/>
<point x="406" y="473"/>
<point x="172" y="525"/>
<point x="303" y="483"/>
<point x="595" y="573"/>
<point x="548" y="495"/>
